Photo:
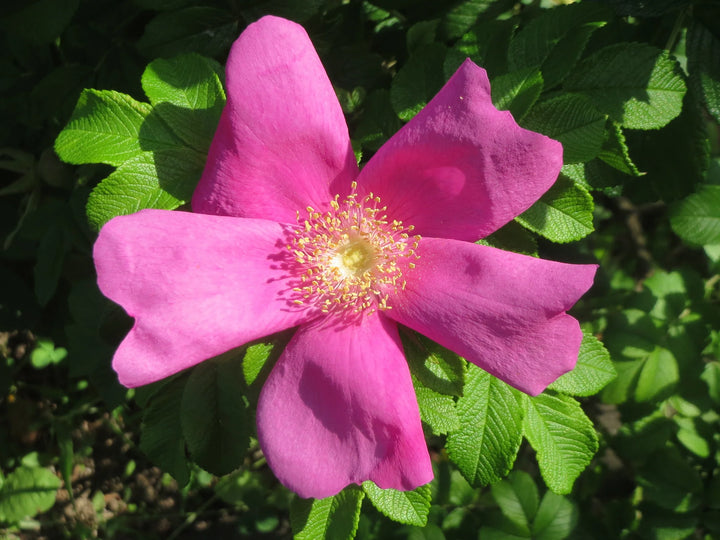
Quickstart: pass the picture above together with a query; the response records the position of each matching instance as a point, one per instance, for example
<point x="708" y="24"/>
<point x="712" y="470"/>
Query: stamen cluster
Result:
<point x="349" y="258"/>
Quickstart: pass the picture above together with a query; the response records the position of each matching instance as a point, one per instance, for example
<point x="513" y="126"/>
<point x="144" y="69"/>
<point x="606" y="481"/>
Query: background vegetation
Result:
<point x="632" y="90"/>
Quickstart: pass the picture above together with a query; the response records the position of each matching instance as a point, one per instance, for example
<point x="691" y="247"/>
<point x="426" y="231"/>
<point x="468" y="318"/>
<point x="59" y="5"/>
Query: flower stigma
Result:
<point x="351" y="258"/>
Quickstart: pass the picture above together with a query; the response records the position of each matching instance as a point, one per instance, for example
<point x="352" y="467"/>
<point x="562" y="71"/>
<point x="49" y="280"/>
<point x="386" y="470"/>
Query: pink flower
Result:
<point x="286" y="232"/>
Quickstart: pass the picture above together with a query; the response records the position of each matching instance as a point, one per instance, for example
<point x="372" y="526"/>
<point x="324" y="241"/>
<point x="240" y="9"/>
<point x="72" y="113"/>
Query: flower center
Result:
<point x="350" y="258"/>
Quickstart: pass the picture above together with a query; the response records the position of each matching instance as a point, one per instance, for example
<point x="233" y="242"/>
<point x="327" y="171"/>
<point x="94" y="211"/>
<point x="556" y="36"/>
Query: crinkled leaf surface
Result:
<point x="485" y="445"/>
<point x="410" y="507"/>
<point x="517" y="91"/>
<point x="593" y="371"/>
<point x="333" y="517"/>
<point x="637" y="85"/>
<point x="562" y="436"/>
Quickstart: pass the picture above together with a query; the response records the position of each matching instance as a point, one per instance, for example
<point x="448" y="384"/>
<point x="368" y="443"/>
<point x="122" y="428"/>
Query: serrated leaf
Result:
<point x="436" y="410"/>
<point x="254" y="360"/>
<point x="703" y="50"/>
<point x="418" y="81"/>
<point x="615" y="151"/>
<point x="200" y="29"/>
<point x="216" y="420"/>
<point x="434" y="366"/>
<point x="110" y="127"/>
<point x="556" y="518"/>
<point x="563" y="214"/>
<point x="409" y="507"/>
<point x="573" y="120"/>
<point x="163" y="179"/>
<point x="27" y="491"/>
<point x="696" y="219"/>
<point x="555" y="40"/>
<point x="463" y="15"/>
<point x="518" y="499"/>
<point x="485" y="445"/>
<point x="593" y="371"/>
<point x="637" y="85"/>
<point x="334" y="517"/>
<point x="187" y="93"/>
<point x="562" y="436"/>
<point x="517" y="91"/>
<point x="161" y="436"/>
<point x="486" y="44"/>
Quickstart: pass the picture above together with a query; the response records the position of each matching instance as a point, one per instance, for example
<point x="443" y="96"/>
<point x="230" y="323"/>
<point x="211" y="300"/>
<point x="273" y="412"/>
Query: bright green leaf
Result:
<point x="563" y="214"/>
<point x="334" y="517"/>
<point x="573" y="120"/>
<point x="615" y="151"/>
<point x="410" y="507"/>
<point x="711" y="376"/>
<point x="418" y="81"/>
<point x="109" y="127"/>
<point x="517" y="91"/>
<point x="556" y="518"/>
<point x="485" y="445"/>
<point x="658" y="376"/>
<point x="26" y="492"/>
<point x="45" y="354"/>
<point x="216" y="421"/>
<point x="254" y="360"/>
<point x="163" y="179"/>
<point x="637" y="85"/>
<point x="593" y="371"/>
<point x="187" y="93"/>
<point x="436" y="410"/>
<point x="562" y="436"/>
<point x="696" y="219"/>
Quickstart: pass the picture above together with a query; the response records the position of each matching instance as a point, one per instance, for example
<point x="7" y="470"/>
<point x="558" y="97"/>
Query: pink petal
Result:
<point x="503" y="311"/>
<point x="461" y="168"/>
<point x="339" y="408"/>
<point x="197" y="286"/>
<point x="282" y="139"/>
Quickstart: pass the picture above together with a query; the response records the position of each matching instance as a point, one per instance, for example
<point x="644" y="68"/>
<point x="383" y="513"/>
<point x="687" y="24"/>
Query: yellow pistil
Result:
<point x="349" y="259"/>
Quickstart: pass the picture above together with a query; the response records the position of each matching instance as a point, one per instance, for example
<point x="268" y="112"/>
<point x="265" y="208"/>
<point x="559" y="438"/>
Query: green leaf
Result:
<point x="410" y="507"/>
<point x="573" y="120"/>
<point x="637" y="85"/>
<point x="556" y="518"/>
<point x="254" y="361"/>
<point x="485" y="445"/>
<point x="711" y="376"/>
<point x="45" y="354"/>
<point x="486" y="44"/>
<point x="615" y="151"/>
<point x="555" y="40"/>
<point x="434" y="366"/>
<point x="163" y="179"/>
<point x="203" y="30"/>
<point x="436" y="410"/>
<point x="187" y="93"/>
<point x="109" y="127"/>
<point x="27" y="491"/>
<point x="50" y="260"/>
<point x="334" y="517"/>
<point x="216" y="421"/>
<point x="563" y="214"/>
<point x="378" y="122"/>
<point x="39" y="22"/>
<point x="161" y="435"/>
<point x="703" y="50"/>
<point x="518" y="499"/>
<point x="517" y="91"/>
<point x="696" y="219"/>
<point x="418" y="81"/>
<point x="562" y="436"/>
<point x="463" y="15"/>
<point x="670" y="481"/>
<point x="593" y="371"/>
<point x="658" y="376"/>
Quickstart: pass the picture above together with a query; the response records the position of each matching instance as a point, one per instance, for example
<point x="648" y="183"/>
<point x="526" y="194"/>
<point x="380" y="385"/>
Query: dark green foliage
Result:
<point x="627" y="443"/>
